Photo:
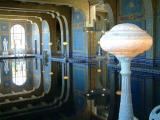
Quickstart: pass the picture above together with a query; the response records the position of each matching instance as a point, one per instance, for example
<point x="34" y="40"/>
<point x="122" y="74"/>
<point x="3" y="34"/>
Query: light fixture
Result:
<point x="51" y="73"/>
<point x="118" y="92"/>
<point x="50" y="44"/>
<point x="103" y="95"/>
<point x="99" y="70"/>
<point x="87" y="94"/>
<point x="126" y="41"/>
<point x="65" y="43"/>
<point x="92" y="91"/>
<point x="89" y="29"/>
<point x="104" y="89"/>
<point x="102" y="31"/>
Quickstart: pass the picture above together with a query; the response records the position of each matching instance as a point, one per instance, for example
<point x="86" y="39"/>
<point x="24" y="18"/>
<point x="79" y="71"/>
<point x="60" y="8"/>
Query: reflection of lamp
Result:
<point x="65" y="77"/>
<point x="126" y="41"/>
<point x="99" y="70"/>
<point x="118" y="92"/>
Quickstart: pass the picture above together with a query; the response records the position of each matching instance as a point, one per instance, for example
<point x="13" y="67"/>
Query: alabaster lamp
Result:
<point x="126" y="41"/>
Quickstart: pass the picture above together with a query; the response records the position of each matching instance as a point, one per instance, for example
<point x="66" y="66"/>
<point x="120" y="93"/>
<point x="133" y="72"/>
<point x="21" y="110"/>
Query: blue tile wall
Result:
<point x="157" y="90"/>
<point x="128" y="7"/>
<point x="79" y="36"/>
<point x="158" y="31"/>
<point x="4" y="26"/>
<point x="158" y="10"/>
<point x="132" y="11"/>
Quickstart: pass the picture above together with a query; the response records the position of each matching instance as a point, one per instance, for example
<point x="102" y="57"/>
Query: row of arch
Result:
<point x="46" y="42"/>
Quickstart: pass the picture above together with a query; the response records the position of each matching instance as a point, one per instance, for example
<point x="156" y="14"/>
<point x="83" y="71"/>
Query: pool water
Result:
<point x="37" y="89"/>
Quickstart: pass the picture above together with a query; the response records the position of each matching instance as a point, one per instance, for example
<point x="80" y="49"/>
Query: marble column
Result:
<point x="126" y="109"/>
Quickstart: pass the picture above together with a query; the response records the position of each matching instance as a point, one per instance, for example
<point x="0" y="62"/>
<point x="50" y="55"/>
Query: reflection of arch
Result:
<point x="35" y="38"/>
<point x="37" y="73"/>
<point x="46" y="37"/>
<point x="19" y="72"/>
<point x="49" y="105"/>
<point x="47" y="77"/>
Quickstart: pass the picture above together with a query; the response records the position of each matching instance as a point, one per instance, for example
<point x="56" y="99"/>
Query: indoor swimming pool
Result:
<point x="34" y="88"/>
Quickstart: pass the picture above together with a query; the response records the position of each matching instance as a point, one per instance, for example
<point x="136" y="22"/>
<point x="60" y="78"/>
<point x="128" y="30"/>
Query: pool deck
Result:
<point x="53" y="58"/>
<point x="16" y="56"/>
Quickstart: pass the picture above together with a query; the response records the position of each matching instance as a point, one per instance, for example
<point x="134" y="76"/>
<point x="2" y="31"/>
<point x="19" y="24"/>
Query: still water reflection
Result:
<point x="32" y="89"/>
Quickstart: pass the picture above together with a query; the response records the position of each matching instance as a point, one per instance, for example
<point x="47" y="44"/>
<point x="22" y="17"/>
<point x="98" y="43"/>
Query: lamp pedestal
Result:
<point x="126" y="109"/>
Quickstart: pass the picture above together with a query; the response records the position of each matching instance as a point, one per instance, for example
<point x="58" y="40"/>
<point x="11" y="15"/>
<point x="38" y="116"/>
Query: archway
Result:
<point x="46" y="37"/>
<point x="35" y="39"/>
<point x="17" y="38"/>
<point x="104" y="22"/>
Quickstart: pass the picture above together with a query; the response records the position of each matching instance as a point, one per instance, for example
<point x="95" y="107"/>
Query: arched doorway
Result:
<point x="35" y="39"/>
<point x="46" y="37"/>
<point x="104" y="22"/>
<point x="18" y="39"/>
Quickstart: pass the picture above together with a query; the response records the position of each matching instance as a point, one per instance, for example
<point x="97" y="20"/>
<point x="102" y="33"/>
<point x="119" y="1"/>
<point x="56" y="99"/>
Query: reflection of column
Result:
<point x="0" y="75"/>
<point x="6" y="68"/>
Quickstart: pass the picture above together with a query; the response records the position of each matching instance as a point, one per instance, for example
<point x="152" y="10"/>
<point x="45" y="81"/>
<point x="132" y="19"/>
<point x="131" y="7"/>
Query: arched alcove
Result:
<point x="104" y="16"/>
<point x="60" y="34"/>
<point x="104" y="22"/>
<point x="46" y="37"/>
<point x="66" y="35"/>
<point x="35" y="39"/>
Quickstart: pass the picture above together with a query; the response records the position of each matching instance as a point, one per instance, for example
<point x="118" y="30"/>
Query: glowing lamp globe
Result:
<point x="125" y="41"/>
